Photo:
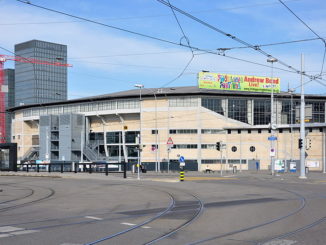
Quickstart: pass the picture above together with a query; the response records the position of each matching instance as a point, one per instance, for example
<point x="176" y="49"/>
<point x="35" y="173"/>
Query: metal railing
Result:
<point x="73" y="167"/>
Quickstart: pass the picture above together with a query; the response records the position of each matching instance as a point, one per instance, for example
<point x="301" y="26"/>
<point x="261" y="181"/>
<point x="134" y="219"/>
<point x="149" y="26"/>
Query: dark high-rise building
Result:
<point x="40" y="83"/>
<point x="9" y="99"/>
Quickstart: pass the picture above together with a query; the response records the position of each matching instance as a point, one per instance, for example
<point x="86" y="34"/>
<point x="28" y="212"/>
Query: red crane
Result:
<point x="3" y="59"/>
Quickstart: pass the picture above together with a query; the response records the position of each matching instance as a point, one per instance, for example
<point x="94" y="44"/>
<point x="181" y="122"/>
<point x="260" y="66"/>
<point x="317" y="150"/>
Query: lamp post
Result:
<point x="272" y="151"/>
<point x="291" y="91"/>
<point x="140" y="86"/>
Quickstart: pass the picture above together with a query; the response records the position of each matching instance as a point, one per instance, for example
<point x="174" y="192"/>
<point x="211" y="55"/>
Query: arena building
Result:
<point x="173" y="122"/>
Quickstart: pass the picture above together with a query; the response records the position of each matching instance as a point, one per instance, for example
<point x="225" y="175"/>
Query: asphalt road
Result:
<point x="205" y="209"/>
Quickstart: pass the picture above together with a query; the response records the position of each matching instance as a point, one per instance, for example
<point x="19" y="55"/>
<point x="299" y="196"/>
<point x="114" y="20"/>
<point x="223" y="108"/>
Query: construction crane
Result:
<point x="3" y="59"/>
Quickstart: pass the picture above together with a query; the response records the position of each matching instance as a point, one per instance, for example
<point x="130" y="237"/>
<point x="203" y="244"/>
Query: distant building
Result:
<point x="37" y="83"/>
<point x="9" y="98"/>
<point x="106" y="128"/>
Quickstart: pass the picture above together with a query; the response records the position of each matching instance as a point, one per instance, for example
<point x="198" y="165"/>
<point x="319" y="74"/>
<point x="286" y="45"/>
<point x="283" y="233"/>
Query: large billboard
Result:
<point x="210" y="80"/>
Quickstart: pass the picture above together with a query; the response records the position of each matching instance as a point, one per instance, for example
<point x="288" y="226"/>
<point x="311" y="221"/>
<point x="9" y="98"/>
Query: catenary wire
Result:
<point x="188" y="43"/>
<point x="304" y="23"/>
<point x="163" y="40"/>
<point x="230" y="36"/>
<point x="147" y="16"/>
<point x="272" y="44"/>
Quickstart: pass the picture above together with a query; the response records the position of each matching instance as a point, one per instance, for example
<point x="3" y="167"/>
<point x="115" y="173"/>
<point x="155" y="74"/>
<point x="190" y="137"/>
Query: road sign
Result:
<point x="272" y="153"/>
<point x="182" y="164"/>
<point x="272" y="138"/>
<point x="170" y="141"/>
<point x="181" y="159"/>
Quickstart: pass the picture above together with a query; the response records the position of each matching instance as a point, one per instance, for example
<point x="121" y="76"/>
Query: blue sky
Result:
<point x="106" y="60"/>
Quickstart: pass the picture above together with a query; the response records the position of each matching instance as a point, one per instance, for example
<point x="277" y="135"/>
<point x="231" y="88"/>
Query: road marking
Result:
<point x="4" y="235"/>
<point x="145" y="227"/>
<point x="4" y="229"/>
<point x="92" y="217"/>
<point x="23" y="232"/>
<point x="207" y="178"/>
<point x="129" y="224"/>
<point x="280" y="242"/>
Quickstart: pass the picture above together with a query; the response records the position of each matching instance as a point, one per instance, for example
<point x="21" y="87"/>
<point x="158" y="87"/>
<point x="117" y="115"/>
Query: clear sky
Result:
<point x="107" y="60"/>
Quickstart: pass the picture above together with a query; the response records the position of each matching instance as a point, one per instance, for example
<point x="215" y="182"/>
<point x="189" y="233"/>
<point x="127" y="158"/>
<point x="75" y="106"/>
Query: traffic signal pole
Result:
<point x="302" y="128"/>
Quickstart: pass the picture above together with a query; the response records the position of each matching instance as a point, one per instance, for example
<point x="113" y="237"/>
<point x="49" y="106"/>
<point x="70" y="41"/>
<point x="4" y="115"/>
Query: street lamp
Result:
<point x="140" y="86"/>
<point x="273" y="126"/>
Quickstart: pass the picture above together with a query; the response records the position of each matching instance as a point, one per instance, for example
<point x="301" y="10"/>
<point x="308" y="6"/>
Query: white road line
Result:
<point x="146" y="227"/>
<point x="130" y="224"/>
<point x="92" y="217"/>
<point x="4" y="229"/>
<point x="4" y="235"/>
<point x="23" y="232"/>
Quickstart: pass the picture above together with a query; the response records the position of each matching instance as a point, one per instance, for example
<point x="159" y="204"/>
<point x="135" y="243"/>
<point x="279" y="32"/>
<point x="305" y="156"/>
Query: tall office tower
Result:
<point x="9" y="99"/>
<point x="38" y="83"/>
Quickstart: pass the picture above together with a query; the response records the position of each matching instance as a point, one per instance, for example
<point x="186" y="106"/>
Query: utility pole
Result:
<point x="302" y="127"/>
<point x="273" y="126"/>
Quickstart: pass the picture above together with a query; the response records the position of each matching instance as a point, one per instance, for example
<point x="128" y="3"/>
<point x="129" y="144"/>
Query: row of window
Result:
<point x="228" y="161"/>
<point x="85" y="107"/>
<point x="240" y="109"/>
<point x="192" y="131"/>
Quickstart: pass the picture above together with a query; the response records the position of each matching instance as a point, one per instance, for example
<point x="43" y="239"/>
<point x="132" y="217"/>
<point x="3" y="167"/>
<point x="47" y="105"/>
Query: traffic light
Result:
<point x="308" y="144"/>
<point x="300" y="143"/>
<point x="218" y="146"/>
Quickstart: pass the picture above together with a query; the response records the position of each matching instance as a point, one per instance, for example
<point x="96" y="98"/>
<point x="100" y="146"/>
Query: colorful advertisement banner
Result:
<point x="210" y="80"/>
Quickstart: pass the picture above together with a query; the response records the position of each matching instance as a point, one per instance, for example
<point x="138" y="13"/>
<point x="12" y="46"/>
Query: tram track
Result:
<point x="50" y="193"/>
<point x="31" y="192"/>
<point x="253" y="227"/>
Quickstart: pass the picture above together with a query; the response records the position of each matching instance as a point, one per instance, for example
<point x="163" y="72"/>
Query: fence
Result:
<point x="90" y="167"/>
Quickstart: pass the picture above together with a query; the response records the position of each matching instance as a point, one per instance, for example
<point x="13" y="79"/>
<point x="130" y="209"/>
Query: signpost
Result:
<point x="169" y="146"/>
<point x="272" y="138"/>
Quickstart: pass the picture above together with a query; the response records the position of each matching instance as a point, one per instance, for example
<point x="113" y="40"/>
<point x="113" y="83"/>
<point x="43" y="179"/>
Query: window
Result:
<point x="286" y="116"/>
<point x="181" y="146"/>
<point x="239" y="131"/>
<point x="262" y="112"/>
<point x="154" y="131"/>
<point x="128" y="104"/>
<point x="259" y="131"/>
<point x="183" y="131"/>
<point x="318" y="111"/>
<point x="131" y="136"/>
<point x="113" y="137"/>
<point x="212" y="131"/>
<point x="183" y="102"/>
<point x="238" y="110"/>
<point x="208" y="146"/>
<point x="229" y="131"/>
<point x="213" y="104"/>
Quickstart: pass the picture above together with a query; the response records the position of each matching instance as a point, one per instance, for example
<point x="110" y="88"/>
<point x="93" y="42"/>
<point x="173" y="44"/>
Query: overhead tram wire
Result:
<point x="272" y="44"/>
<point x="156" y="38"/>
<point x="188" y="43"/>
<point x="322" y="39"/>
<point x="231" y="37"/>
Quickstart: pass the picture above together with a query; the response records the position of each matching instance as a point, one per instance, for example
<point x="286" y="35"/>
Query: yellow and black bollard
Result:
<point x="182" y="175"/>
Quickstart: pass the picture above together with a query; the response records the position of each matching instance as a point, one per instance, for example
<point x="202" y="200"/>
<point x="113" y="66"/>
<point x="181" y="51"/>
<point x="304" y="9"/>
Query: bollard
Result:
<point x="124" y="170"/>
<point x="27" y="170"/>
<point x="49" y="167"/>
<point x="76" y="167"/>
<point x="38" y="168"/>
<point x="61" y="170"/>
<point x="90" y="168"/>
<point x="106" y="169"/>
<point x="182" y="175"/>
